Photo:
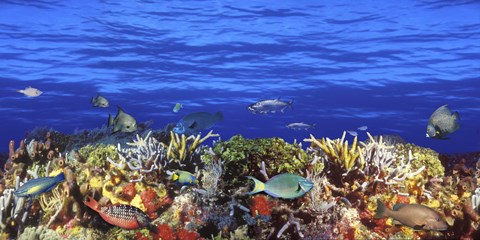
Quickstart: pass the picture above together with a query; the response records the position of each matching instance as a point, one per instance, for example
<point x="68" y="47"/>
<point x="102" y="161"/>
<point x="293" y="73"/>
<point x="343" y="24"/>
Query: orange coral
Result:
<point x="403" y="199"/>
<point x="129" y="191"/>
<point x="164" y="232"/>
<point x="183" y="234"/>
<point x="260" y="205"/>
<point x="152" y="203"/>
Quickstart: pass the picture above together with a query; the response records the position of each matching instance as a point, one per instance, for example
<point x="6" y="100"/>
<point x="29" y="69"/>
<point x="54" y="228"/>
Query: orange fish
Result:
<point x="121" y="215"/>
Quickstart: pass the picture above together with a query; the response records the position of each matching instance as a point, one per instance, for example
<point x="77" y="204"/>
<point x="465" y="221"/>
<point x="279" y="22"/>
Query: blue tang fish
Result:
<point x="38" y="186"/>
<point x="285" y="185"/>
<point x="184" y="178"/>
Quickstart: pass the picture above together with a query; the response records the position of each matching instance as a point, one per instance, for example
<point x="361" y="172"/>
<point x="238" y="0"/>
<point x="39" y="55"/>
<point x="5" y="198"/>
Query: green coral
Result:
<point x="424" y="157"/>
<point x="243" y="157"/>
<point x="96" y="155"/>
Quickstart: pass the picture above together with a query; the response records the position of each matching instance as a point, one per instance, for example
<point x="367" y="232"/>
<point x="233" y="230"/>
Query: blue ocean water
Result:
<point x="384" y="64"/>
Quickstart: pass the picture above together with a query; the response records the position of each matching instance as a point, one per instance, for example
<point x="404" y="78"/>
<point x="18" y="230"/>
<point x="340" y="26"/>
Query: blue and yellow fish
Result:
<point x="38" y="186"/>
<point x="285" y="185"/>
<point x="183" y="178"/>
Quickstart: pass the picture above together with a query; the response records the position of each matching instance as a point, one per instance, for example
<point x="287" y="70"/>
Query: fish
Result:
<point x="195" y="122"/>
<point x="99" y="101"/>
<point x="121" y="215"/>
<point x="122" y="122"/>
<point x="177" y="107"/>
<point x="37" y="186"/>
<point x="301" y="126"/>
<point x="442" y="122"/>
<point x="269" y="106"/>
<point x="31" y="92"/>
<point x="285" y="185"/>
<point x="362" y="128"/>
<point x="183" y="178"/>
<point x="352" y="133"/>
<point x="416" y="216"/>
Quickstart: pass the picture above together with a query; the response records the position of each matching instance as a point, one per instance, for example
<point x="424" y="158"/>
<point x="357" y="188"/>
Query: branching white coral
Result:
<point x="291" y="220"/>
<point x="381" y="162"/>
<point x="11" y="205"/>
<point x="211" y="177"/>
<point x="317" y="202"/>
<point x="143" y="151"/>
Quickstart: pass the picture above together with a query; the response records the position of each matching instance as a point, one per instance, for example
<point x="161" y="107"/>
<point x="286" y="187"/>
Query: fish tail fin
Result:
<point x="456" y="116"/>
<point x="110" y="120"/>
<point x="381" y="210"/>
<point x="92" y="100"/>
<point x="314" y="126"/>
<point x="290" y="104"/>
<point x="153" y="228"/>
<point x="60" y="177"/>
<point x="258" y="186"/>
<point x="21" y="91"/>
<point x="91" y="203"/>
<point x="219" y="116"/>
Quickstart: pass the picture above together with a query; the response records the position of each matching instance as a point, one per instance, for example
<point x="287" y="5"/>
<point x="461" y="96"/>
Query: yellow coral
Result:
<point x="339" y="152"/>
<point x="433" y="203"/>
<point x="96" y="183"/>
<point x="110" y="192"/>
<point x="181" y="147"/>
<point x="137" y="202"/>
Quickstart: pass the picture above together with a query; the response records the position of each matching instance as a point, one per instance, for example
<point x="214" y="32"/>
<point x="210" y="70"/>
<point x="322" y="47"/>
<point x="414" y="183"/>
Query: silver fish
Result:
<point x="122" y="122"/>
<point x="301" y="126"/>
<point x="352" y="133"/>
<point x="30" y="92"/>
<point x="195" y="122"/>
<point x="362" y="128"/>
<point x="269" y="106"/>
<point x="99" y="101"/>
<point x="442" y="122"/>
<point x="416" y="216"/>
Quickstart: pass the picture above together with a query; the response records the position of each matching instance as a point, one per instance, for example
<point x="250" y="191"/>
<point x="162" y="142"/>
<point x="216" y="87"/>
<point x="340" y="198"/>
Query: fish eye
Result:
<point x="128" y="126"/>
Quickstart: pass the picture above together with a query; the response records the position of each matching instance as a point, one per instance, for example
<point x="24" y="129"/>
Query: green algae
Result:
<point x="423" y="157"/>
<point x="243" y="157"/>
<point x="96" y="155"/>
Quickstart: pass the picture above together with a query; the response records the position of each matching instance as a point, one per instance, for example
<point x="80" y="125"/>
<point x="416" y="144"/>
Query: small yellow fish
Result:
<point x="177" y="107"/>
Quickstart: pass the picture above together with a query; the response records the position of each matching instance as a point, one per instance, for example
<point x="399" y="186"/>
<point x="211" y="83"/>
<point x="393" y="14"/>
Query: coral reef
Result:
<point x="132" y="169"/>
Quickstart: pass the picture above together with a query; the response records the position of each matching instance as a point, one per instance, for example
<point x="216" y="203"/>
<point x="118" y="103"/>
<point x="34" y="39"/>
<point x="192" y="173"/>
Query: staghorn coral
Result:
<point x="344" y="157"/>
<point x="182" y="147"/>
<point x="143" y="156"/>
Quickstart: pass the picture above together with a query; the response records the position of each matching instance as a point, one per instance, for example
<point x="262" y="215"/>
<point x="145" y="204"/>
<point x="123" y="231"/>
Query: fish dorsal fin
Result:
<point x="192" y="125"/>
<point x="120" y="110"/>
<point x="398" y="206"/>
<point x="396" y="222"/>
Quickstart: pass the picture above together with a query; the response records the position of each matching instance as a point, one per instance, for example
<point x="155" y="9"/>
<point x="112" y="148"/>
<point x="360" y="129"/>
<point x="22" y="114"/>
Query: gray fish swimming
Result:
<point x="301" y="126"/>
<point x="416" y="216"/>
<point x="195" y="122"/>
<point x="122" y="122"/>
<point x="99" y="101"/>
<point x="442" y="122"/>
<point x="352" y="133"/>
<point x="362" y="128"/>
<point x="30" y="92"/>
<point x="269" y="106"/>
